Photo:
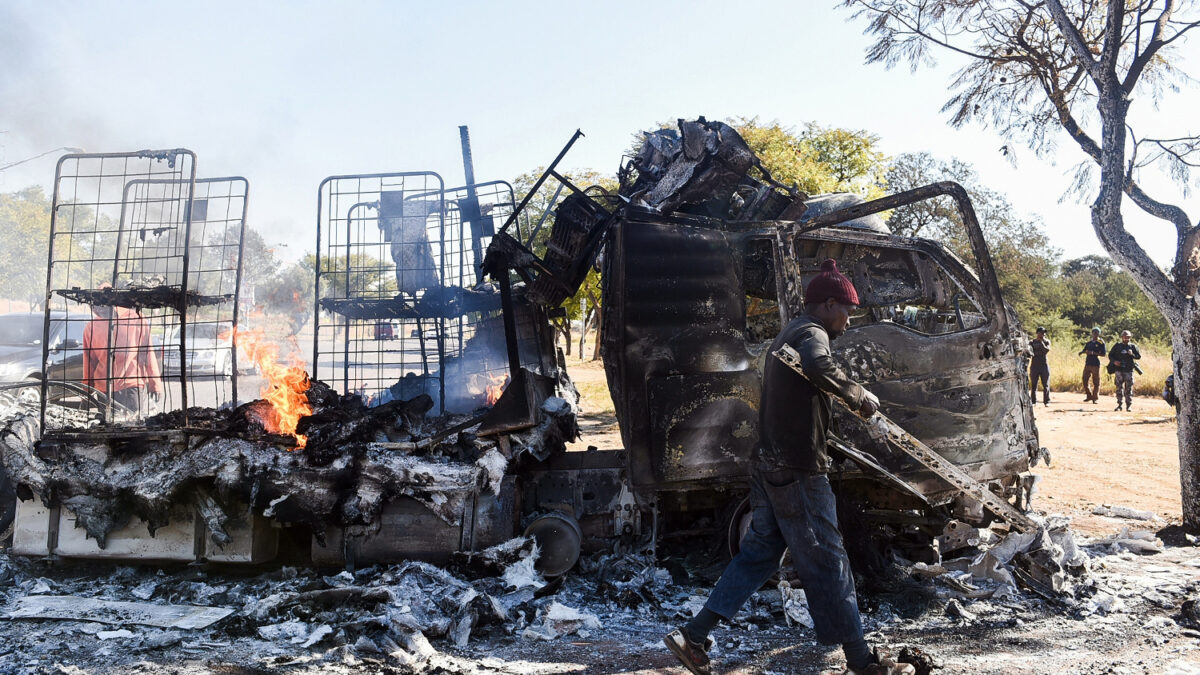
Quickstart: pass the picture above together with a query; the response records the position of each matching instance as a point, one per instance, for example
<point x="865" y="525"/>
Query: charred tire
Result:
<point x="737" y="522"/>
<point x="8" y="504"/>
<point x="560" y="540"/>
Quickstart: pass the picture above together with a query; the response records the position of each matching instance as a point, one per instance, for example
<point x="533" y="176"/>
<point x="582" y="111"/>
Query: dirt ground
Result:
<point x="1100" y="456"/>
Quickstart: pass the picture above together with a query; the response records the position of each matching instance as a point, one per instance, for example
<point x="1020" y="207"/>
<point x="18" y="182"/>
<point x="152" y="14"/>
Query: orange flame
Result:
<point x="496" y="388"/>
<point x="285" y="385"/>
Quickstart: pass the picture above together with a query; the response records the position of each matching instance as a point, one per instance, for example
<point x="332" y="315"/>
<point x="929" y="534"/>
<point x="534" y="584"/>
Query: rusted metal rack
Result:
<point x="144" y="261"/>
<point x="552" y="237"/>
<point x="402" y="308"/>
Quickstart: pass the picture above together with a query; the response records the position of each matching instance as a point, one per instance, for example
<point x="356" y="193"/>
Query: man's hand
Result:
<point x="870" y="405"/>
<point x="154" y="396"/>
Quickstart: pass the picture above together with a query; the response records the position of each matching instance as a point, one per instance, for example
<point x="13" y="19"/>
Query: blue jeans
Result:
<point x="794" y="510"/>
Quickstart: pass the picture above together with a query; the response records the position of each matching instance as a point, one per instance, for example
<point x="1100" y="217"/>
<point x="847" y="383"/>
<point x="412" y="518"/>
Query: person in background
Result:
<point x="1094" y="349"/>
<point x="1039" y="369"/>
<point x="134" y="366"/>
<point x="1168" y="393"/>
<point x="1121" y="360"/>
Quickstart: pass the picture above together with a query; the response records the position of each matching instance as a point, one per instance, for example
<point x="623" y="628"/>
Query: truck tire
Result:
<point x="8" y="505"/>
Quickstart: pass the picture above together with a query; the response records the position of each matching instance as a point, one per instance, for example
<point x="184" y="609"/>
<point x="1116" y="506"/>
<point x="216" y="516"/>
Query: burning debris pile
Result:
<point x="344" y="464"/>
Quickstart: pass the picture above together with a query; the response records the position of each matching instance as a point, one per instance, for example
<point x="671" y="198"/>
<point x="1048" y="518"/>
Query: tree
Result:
<point x="1038" y="70"/>
<point x="25" y="221"/>
<point x="1098" y="293"/>
<point x="818" y="160"/>
<point x="289" y="291"/>
<point x="259" y="264"/>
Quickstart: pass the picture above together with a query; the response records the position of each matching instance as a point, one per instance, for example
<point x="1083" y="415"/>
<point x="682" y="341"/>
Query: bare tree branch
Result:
<point x="1156" y="43"/>
<point x="1074" y="39"/>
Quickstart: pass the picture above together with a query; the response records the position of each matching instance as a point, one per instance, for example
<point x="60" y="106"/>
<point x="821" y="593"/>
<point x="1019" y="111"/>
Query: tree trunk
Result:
<point x="599" y="330"/>
<point x="563" y="327"/>
<point x="1180" y="311"/>
<point x="587" y="321"/>
<point x="1185" y="341"/>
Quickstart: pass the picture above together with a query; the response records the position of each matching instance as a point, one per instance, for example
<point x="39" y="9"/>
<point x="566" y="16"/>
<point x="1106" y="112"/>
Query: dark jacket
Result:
<point x="1123" y="355"/>
<point x="1040" y="349"/>
<point x="794" y="415"/>
<point x="1094" y="350"/>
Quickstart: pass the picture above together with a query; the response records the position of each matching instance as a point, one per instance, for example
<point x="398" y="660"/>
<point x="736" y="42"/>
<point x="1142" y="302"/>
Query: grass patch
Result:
<point x="595" y="399"/>
<point x="1066" y="369"/>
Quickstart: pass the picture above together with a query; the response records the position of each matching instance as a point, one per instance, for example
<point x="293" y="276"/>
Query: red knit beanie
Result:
<point x="830" y="283"/>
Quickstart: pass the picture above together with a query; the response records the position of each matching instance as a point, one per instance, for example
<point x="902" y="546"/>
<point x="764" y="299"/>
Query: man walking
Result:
<point x="1122" y="356"/>
<point x="793" y="504"/>
<point x="1039" y="369"/>
<point x="1094" y="349"/>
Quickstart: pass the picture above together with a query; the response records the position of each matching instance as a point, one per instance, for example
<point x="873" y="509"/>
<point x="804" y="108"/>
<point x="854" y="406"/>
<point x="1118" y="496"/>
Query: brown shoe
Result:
<point x="693" y="656"/>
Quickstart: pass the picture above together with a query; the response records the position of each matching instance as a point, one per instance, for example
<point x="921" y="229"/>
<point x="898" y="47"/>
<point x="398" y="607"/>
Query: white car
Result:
<point x="209" y="350"/>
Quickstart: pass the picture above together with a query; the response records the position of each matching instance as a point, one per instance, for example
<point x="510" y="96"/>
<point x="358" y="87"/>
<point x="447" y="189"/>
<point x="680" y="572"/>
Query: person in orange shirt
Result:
<point x="134" y="366"/>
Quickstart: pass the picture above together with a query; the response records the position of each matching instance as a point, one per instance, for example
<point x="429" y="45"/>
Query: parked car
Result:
<point x="21" y="346"/>
<point x="385" y="330"/>
<point x="209" y="349"/>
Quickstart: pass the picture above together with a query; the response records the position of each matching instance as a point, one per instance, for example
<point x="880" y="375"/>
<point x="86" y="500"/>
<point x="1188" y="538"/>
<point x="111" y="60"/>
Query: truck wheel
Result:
<point x="737" y="524"/>
<point x="8" y="505"/>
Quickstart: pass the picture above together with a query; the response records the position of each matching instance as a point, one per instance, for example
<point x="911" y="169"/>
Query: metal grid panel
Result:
<point x="401" y="307"/>
<point x="218" y="224"/>
<point x="115" y="282"/>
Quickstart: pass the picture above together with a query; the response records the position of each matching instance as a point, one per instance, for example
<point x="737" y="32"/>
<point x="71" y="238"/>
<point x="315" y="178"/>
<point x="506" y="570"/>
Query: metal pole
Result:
<point x="471" y="215"/>
<point x="510" y="325"/>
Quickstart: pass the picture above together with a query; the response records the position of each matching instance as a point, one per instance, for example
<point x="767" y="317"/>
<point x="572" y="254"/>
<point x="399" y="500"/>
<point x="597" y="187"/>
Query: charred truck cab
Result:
<point x="691" y="307"/>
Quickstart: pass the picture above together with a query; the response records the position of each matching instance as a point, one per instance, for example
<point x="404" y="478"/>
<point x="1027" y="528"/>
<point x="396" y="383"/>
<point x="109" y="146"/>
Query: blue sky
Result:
<point x="289" y="93"/>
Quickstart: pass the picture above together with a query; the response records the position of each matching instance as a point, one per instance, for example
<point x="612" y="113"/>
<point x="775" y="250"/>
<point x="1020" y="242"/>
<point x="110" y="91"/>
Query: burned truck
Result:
<point x="704" y="258"/>
<point x="435" y="412"/>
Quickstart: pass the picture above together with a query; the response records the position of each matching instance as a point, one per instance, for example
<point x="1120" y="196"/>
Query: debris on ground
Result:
<point x="1123" y="512"/>
<point x="1135" y="541"/>
<point x="476" y="615"/>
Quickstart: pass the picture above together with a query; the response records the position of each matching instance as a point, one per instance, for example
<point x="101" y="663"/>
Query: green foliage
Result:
<point x="290" y="289"/>
<point x="360" y="276"/>
<point x="25" y="220"/>
<point x="1096" y="293"/>
<point x="818" y="160"/>
<point x="541" y="202"/>
<point x="540" y="209"/>
<point x="259" y="263"/>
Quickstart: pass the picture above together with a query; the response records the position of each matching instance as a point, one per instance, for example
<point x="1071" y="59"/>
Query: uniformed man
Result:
<point x="1121" y="357"/>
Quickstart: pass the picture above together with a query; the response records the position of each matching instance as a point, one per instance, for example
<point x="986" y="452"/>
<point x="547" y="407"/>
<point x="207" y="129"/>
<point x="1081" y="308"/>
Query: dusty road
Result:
<point x="1099" y="456"/>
